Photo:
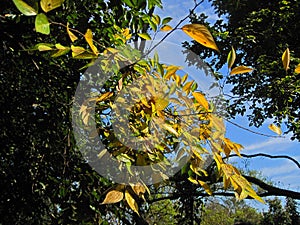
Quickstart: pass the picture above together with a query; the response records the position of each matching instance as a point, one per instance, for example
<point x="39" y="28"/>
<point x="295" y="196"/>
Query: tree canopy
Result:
<point x="77" y="81"/>
<point x="260" y="32"/>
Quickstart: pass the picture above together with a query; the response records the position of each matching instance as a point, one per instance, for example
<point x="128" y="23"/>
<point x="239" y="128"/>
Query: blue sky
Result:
<point x="281" y="172"/>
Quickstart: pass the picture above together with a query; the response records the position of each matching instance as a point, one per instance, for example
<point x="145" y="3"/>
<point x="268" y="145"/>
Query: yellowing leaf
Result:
<point x="187" y="87"/>
<point x="44" y="47"/>
<point x="24" y="8"/>
<point x="170" y="129"/>
<point x="166" y="28"/>
<point x="206" y="187"/>
<point x="42" y="24"/>
<point x="201" y="99"/>
<point x="48" y="5"/>
<point x="297" y="70"/>
<point x="275" y="129"/>
<point x="231" y="58"/>
<point x="241" y="69"/>
<point x="113" y="196"/>
<point x="71" y="35"/>
<point x="76" y="50"/>
<point x="131" y="202"/>
<point x="89" y="39"/>
<point x="200" y="34"/>
<point x="286" y="59"/>
<point x="145" y="36"/>
<point x="104" y="96"/>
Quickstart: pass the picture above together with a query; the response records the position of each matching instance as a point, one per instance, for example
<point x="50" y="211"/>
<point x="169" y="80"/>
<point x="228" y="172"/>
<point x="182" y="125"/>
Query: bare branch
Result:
<point x="269" y="156"/>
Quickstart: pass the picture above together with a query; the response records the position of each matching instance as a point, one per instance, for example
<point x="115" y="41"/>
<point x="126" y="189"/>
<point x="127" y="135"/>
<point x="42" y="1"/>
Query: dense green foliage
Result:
<point x="44" y="178"/>
<point x="260" y="31"/>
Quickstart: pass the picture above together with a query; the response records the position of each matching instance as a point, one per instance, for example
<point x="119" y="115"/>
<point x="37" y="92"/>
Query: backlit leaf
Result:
<point x="200" y="34"/>
<point x="240" y="70"/>
<point x="113" y="196"/>
<point x="231" y="58"/>
<point x="71" y="35"/>
<point x="275" y="129"/>
<point x="76" y="50"/>
<point x="145" y="36"/>
<point x="201" y="99"/>
<point x="48" y="5"/>
<point x="89" y="39"/>
<point x="166" y="28"/>
<point x="286" y="59"/>
<point x="104" y="96"/>
<point x="24" y="8"/>
<point x="44" y="47"/>
<point x="131" y="202"/>
<point x="297" y="70"/>
<point x="42" y="24"/>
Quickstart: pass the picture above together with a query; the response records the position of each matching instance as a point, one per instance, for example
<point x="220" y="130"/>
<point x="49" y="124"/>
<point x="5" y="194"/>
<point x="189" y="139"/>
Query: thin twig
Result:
<point x="268" y="156"/>
<point x="254" y="132"/>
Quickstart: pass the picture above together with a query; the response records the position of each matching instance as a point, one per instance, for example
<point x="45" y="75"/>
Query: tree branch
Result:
<point x="269" y="156"/>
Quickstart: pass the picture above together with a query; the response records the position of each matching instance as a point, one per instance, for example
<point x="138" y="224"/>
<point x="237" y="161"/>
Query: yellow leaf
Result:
<point x="201" y="99"/>
<point x="241" y="69"/>
<point x="297" y="70"/>
<point x="286" y="59"/>
<point x="166" y="28"/>
<point x="89" y="39"/>
<point x="71" y="35"/>
<point x="170" y="129"/>
<point x="113" y="196"/>
<point x="76" y="50"/>
<point x="104" y="96"/>
<point x="200" y="34"/>
<point x="42" y="48"/>
<point x="275" y="129"/>
<point x="138" y="188"/>
<point x="226" y="182"/>
<point x="187" y="87"/>
<point x="48" y="5"/>
<point x="131" y="202"/>
<point x="231" y="58"/>
<point x="206" y="187"/>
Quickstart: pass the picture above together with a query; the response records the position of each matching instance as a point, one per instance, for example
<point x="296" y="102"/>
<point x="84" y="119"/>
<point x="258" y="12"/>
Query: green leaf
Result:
<point x="231" y="58"/>
<point x="48" y="5"/>
<point x="24" y="8"/>
<point x="145" y="36"/>
<point x="166" y="20"/>
<point x="42" y="24"/>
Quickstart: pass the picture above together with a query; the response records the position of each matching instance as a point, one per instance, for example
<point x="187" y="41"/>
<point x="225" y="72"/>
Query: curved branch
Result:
<point x="269" y="156"/>
<point x="251" y="131"/>
<point x="271" y="190"/>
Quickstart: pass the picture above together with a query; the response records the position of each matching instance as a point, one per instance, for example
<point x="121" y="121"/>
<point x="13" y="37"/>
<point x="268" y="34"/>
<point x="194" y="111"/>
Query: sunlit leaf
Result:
<point x="240" y="70"/>
<point x="71" y="35"/>
<point x="201" y="99"/>
<point x="104" y="96"/>
<point x="89" y="39"/>
<point x="297" y="70"/>
<point x="166" y="20"/>
<point x="44" y="47"/>
<point x="231" y="58"/>
<point x="145" y="36"/>
<point x="77" y="50"/>
<point x="275" y="129"/>
<point x="42" y="24"/>
<point x="286" y="59"/>
<point x="113" y="196"/>
<point x="24" y="8"/>
<point x="166" y="28"/>
<point x="48" y="5"/>
<point x="170" y="129"/>
<point x="200" y="34"/>
<point x="131" y="202"/>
